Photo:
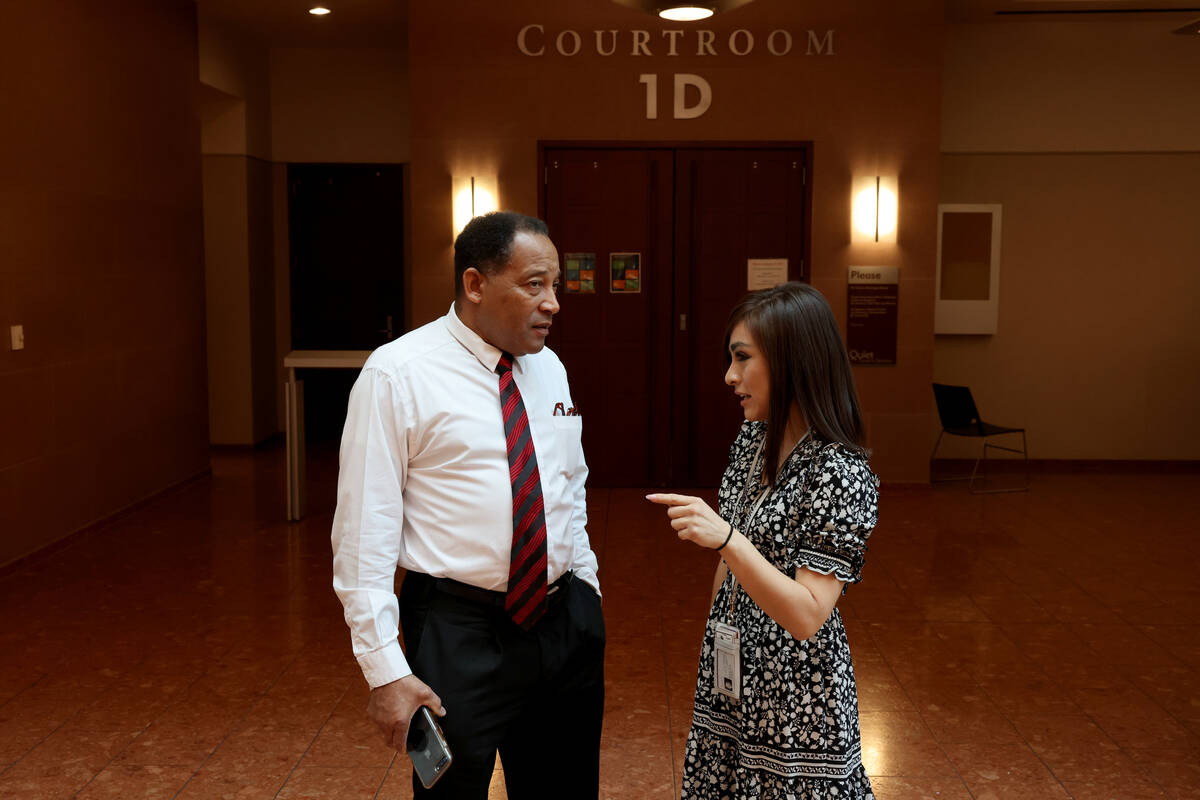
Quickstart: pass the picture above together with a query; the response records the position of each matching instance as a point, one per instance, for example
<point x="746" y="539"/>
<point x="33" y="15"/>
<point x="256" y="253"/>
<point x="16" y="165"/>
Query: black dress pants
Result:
<point x="535" y="696"/>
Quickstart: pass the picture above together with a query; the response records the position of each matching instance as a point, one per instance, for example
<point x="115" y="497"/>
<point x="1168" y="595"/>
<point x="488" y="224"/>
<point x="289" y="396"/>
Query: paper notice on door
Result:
<point x="763" y="273"/>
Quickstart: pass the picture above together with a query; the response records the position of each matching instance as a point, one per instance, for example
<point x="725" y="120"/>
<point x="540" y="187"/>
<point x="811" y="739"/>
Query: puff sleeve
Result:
<point x="838" y="510"/>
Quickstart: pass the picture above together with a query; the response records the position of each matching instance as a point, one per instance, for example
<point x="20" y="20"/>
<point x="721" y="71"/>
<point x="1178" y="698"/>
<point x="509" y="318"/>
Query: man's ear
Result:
<point x="473" y="283"/>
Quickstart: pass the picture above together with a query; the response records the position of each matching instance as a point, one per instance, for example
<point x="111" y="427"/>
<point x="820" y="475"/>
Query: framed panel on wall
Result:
<point x="968" y="268"/>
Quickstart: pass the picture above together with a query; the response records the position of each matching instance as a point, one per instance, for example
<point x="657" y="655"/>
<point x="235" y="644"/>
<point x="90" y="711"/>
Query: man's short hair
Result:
<point x="486" y="242"/>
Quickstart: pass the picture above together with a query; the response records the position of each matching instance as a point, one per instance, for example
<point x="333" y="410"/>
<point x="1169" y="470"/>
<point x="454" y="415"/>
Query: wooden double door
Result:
<point x="645" y="358"/>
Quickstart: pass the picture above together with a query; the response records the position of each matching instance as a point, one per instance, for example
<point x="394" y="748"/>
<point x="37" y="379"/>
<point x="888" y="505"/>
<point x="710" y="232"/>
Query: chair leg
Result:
<point x="983" y="456"/>
<point x="975" y="471"/>
<point x="932" y="479"/>
<point x="1025" y="456"/>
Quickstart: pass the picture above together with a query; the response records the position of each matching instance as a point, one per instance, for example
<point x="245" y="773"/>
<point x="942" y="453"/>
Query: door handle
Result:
<point x="683" y="322"/>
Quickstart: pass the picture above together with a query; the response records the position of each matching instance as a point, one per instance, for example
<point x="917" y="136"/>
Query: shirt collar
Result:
<point x="488" y="354"/>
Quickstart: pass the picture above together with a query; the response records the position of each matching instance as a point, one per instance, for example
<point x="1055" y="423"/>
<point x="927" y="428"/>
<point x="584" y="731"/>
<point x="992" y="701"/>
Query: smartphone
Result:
<point x="427" y="747"/>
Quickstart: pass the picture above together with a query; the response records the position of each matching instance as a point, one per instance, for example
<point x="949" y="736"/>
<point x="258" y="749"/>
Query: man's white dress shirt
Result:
<point x="424" y="478"/>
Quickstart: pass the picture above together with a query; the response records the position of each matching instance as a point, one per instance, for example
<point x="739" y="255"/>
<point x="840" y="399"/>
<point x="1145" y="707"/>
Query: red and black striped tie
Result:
<point x="526" y="596"/>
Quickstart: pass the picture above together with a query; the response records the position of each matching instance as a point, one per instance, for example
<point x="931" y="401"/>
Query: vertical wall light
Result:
<point x="473" y="197"/>
<point x="874" y="210"/>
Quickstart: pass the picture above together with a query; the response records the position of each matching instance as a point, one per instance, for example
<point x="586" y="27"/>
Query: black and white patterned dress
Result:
<point x="794" y="735"/>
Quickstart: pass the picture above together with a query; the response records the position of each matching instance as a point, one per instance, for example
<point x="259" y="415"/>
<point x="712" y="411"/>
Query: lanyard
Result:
<point x="734" y="587"/>
<point x="753" y="478"/>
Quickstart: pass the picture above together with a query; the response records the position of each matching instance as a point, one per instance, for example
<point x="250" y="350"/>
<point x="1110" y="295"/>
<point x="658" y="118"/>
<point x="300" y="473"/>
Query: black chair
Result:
<point x="959" y="417"/>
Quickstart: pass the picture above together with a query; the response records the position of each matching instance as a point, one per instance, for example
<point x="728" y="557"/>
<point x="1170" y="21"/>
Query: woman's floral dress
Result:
<point x="794" y="734"/>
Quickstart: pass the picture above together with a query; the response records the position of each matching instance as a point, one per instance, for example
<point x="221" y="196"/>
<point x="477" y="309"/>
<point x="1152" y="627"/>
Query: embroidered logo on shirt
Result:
<point x="560" y="410"/>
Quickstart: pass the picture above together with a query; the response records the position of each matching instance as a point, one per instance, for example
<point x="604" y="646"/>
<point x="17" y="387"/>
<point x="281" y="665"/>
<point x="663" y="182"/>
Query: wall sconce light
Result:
<point x="874" y="210"/>
<point x="473" y="197"/>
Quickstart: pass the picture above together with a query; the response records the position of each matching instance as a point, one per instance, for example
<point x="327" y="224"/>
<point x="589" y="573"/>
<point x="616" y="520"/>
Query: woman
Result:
<point x="776" y="712"/>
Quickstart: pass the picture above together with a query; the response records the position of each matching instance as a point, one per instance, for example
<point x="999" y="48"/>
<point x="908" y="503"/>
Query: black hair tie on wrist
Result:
<point x="727" y="538"/>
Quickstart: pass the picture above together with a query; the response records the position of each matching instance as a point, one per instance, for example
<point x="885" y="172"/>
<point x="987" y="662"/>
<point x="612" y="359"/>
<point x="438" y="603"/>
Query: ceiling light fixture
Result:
<point x="682" y="10"/>
<point x="685" y="12"/>
<point x="319" y="11"/>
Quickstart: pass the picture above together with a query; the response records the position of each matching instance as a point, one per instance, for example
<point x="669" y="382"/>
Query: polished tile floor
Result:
<point x="1040" y="645"/>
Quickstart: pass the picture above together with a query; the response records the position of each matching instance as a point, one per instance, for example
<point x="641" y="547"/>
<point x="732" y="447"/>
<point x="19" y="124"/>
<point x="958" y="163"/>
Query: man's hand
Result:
<point x="392" y="706"/>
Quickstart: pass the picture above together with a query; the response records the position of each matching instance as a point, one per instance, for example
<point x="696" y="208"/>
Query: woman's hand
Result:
<point x="800" y="603"/>
<point x="693" y="519"/>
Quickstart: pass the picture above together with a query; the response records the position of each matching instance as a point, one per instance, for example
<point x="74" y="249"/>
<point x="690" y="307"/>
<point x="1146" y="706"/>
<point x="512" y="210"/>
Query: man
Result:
<point x="461" y="461"/>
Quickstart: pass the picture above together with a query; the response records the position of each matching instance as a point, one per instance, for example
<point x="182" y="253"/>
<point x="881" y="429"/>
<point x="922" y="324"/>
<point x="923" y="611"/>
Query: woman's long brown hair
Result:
<point x="807" y="364"/>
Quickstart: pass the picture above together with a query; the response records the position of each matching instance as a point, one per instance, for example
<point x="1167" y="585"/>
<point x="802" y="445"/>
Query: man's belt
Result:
<point x="494" y="598"/>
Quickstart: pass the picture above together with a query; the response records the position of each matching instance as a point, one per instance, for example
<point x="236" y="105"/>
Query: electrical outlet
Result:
<point x="17" y="332"/>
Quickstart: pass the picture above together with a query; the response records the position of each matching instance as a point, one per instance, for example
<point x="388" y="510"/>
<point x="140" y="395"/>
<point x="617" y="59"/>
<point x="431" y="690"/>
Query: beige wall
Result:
<point x="339" y="105"/>
<point x="240" y="299"/>
<point x="236" y="64"/>
<point x="478" y="104"/>
<point x="1095" y="353"/>
<point x="1064" y="86"/>
<point x="227" y="295"/>
<point x="281" y="250"/>
<point x="101" y="235"/>
<point x="238" y="235"/>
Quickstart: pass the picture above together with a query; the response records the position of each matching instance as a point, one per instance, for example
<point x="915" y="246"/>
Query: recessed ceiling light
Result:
<point x="685" y="13"/>
<point x="319" y="11"/>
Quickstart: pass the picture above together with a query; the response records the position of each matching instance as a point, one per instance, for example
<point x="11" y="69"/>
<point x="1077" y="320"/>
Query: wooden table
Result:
<point x="294" y="425"/>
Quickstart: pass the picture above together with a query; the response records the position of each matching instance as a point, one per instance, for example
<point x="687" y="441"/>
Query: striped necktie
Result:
<point x="525" y="600"/>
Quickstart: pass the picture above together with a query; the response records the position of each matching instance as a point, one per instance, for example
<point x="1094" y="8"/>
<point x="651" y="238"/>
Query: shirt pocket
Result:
<point x="568" y="446"/>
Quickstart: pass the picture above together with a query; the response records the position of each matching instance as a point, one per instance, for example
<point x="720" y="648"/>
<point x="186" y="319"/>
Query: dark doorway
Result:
<point x="647" y="368"/>
<point x="346" y="239"/>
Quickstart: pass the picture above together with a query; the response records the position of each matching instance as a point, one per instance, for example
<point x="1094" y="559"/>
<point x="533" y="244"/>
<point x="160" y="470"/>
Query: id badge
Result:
<point x="727" y="651"/>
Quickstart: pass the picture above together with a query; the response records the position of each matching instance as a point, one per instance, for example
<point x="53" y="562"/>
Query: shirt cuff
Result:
<point x="586" y="575"/>
<point x="384" y="665"/>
